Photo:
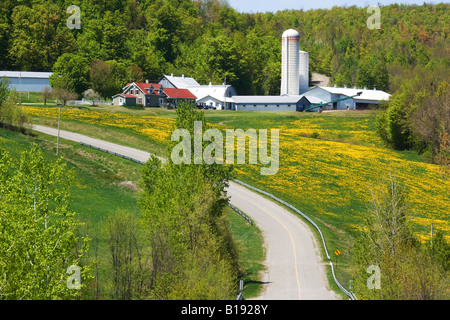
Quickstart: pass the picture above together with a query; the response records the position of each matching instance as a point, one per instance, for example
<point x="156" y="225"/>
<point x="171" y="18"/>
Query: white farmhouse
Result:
<point x="217" y="96"/>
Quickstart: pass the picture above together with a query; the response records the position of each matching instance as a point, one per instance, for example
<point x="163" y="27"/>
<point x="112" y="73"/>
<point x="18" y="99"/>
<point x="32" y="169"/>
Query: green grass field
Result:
<point x="329" y="162"/>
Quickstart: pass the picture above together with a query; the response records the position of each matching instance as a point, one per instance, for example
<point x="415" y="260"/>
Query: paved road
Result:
<point x="294" y="270"/>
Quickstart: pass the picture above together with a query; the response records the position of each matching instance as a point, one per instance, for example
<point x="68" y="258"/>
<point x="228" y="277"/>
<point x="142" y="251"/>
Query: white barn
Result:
<point x="266" y="103"/>
<point x="27" y="81"/>
<point x="361" y="102"/>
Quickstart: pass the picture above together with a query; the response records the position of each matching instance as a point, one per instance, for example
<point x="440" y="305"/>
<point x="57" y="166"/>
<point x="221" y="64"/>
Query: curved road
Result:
<point x="293" y="267"/>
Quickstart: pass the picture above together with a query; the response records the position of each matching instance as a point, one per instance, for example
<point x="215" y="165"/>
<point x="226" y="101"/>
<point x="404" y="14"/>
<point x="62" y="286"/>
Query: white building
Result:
<point x="217" y="96"/>
<point x="178" y="82"/>
<point x="266" y="103"/>
<point x="27" y="81"/>
<point x="361" y="102"/>
<point x="322" y="97"/>
<point x="294" y="65"/>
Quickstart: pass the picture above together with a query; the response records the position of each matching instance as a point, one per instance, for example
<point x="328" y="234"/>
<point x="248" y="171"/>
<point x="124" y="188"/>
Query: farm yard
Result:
<point x="339" y="119"/>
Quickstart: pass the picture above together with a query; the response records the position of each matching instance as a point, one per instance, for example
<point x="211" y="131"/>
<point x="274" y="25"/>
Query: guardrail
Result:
<point x="290" y="206"/>
<point x="350" y="294"/>
<point x="110" y="152"/>
<point x="243" y="215"/>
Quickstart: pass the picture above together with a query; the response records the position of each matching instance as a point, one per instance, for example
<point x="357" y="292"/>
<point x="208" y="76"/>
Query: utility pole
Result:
<point x="225" y="95"/>
<point x="59" y="125"/>
<point x="241" y="288"/>
<point x="432" y="234"/>
<point x="20" y="91"/>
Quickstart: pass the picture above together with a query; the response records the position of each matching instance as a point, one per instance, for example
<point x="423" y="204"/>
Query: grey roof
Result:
<point x="182" y="82"/>
<point x="314" y="100"/>
<point x="292" y="99"/>
<point x="25" y="74"/>
<point x="367" y="95"/>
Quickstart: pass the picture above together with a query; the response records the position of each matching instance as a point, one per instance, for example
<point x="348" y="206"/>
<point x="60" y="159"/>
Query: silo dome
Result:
<point x="291" y="33"/>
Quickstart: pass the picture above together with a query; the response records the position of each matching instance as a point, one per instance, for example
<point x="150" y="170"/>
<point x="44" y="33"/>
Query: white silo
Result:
<point x="304" y="72"/>
<point x="290" y="62"/>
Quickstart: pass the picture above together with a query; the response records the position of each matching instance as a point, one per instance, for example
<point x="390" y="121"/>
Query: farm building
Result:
<point x="217" y="96"/>
<point x="151" y="95"/>
<point x="295" y="92"/>
<point x="308" y="101"/>
<point x="124" y="100"/>
<point x="266" y="103"/>
<point x="361" y="102"/>
<point x="27" y="81"/>
<point x="313" y="97"/>
<point x="177" y="82"/>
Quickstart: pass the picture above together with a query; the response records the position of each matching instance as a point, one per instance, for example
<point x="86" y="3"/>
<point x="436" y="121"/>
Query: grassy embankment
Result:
<point x="106" y="184"/>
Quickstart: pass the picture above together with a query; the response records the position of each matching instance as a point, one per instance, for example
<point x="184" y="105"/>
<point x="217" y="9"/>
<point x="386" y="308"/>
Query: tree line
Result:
<point x="210" y="41"/>
<point x="417" y="117"/>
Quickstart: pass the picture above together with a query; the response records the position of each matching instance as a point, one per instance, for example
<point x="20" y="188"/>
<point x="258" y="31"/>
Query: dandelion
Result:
<point x="327" y="178"/>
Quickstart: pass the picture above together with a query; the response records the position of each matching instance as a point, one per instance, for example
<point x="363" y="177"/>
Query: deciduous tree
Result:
<point x="192" y="254"/>
<point x="46" y="94"/>
<point x="70" y="72"/>
<point x="407" y="269"/>
<point x="39" y="237"/>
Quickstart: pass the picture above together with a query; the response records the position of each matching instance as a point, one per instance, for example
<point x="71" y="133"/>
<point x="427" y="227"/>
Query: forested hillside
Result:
<point x="209" y="40"/>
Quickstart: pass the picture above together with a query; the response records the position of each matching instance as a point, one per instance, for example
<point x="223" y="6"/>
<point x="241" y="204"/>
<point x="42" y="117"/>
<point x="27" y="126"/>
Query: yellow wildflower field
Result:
<point x="332" y="181"/>
<point x="334" y="129"/>
<point x="155" y="128"/>
<point x="327" y="179"/>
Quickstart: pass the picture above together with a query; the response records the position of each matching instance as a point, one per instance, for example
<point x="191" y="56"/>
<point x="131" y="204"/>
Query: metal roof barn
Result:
<point x="27" y="81"/>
